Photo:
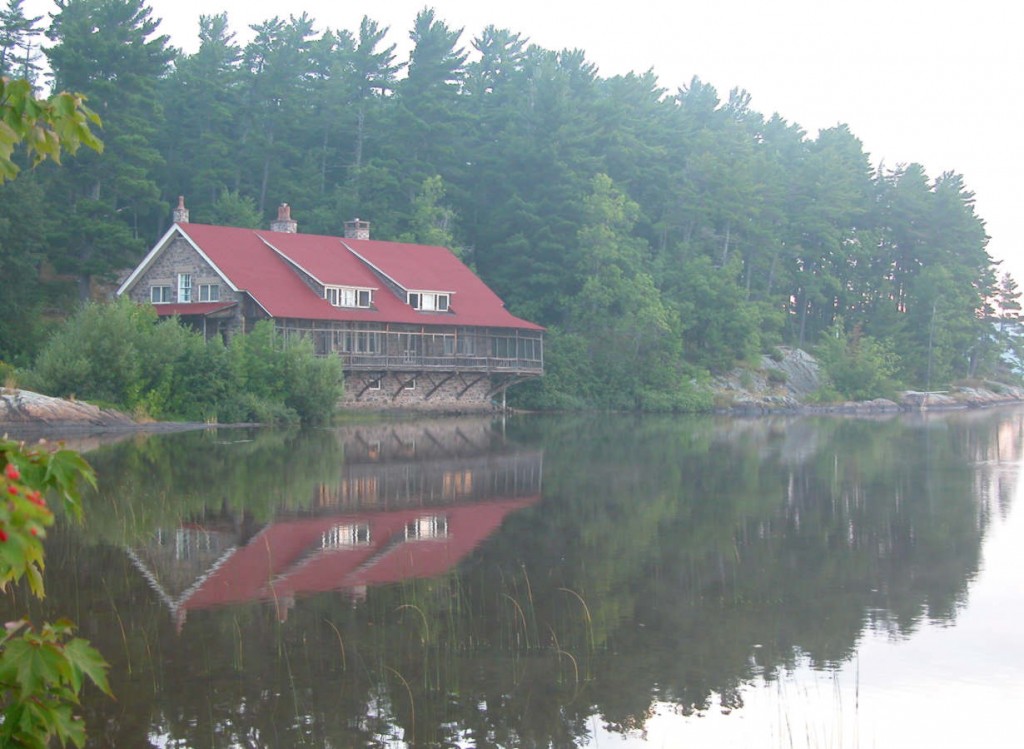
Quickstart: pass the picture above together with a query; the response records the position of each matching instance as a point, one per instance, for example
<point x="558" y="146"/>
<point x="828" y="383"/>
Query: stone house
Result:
<point x="413" y="325"/>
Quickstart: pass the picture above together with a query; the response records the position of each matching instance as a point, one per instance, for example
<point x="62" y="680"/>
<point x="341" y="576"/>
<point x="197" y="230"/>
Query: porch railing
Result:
<point x="461" y="363"/>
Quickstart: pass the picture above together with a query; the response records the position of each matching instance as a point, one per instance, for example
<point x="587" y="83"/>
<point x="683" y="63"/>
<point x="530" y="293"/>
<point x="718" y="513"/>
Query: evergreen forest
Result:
<point x="660" y="235"/>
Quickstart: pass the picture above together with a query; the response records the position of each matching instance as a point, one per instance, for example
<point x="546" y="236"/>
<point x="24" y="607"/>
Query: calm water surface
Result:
<point x="557" y="581"/>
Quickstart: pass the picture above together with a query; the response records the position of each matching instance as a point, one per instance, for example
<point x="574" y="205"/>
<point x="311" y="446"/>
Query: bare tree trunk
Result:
<point x="360" y="135"/>
<point x="771" y="275"/>
<point x="804" y="306"/>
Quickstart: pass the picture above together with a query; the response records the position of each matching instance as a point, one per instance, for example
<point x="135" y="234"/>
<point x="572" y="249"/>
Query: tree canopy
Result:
<point x="658" y="234"/>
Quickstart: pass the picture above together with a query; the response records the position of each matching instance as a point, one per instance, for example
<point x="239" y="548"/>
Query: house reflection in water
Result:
<point x="412" y="502"/>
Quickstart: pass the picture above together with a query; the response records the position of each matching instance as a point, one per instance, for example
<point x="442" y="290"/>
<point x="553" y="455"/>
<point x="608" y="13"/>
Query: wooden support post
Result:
<point x="438" y="385"/>
<point x="403" y="385"/>
<point x="366" y="386"/>
<point x="469" y="385"/>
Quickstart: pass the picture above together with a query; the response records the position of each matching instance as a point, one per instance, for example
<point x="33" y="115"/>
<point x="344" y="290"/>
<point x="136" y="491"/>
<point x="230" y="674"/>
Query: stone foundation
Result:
<point x="431" y="391"/>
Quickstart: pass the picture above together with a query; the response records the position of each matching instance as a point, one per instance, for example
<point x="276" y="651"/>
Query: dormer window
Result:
<point x="348" y="296"/>
<point x="428" y="527"/>
<point x="345" y="536"/>
<point x="429" y="301"/>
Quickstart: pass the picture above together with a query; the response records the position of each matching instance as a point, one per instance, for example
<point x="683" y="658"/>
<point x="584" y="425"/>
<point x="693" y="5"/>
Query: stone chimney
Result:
<point x="284" y="222"/>
<point x="357" y="229"/>
<point x="180" y="214"/>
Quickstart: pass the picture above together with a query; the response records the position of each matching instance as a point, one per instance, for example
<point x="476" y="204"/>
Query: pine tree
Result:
<point x="110" y="51"/>
<point x="19" y="49"/>
<point x="202" y="158"/>
<point x="1008" y="300"/>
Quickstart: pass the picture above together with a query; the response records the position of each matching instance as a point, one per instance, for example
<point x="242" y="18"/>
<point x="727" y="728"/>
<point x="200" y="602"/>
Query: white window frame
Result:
<point x="160" y="294"/>
<point x="346" y="536"/>
<point x="427" y="528"/>
<point x="429" y="301"/>
<point x="209" y="292"/>
<point x="185" y="288"/>
<point x="349" y="296"/>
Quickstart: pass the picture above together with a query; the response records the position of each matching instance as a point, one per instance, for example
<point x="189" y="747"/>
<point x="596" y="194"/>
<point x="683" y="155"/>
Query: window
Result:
<point x="345" y="536"/>
<point x="439" y="344"/>
<point x="504" y="348"/>
<point x="358" y="490"/>
<point x="428" y="301"/>
<point x="209" y="292"/>
<point x="160" y="294"/>
<point x="189" y="543"/>
<point x="411" y="345"/>
<point x="467" y="342"/>
<point x="358" y="341"/>
<point x="427" y="527"/>
<point x="184" y="288"/>
<point x="374" y="385"/>
<point x="529" y="348"/>
<point x="347" y="296"/>
<point x="456" y="484"/>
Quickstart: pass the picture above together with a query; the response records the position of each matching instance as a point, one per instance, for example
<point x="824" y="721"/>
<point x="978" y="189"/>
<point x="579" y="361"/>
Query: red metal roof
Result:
<point x="261" y="263"/>
<point x="286" y="558"/>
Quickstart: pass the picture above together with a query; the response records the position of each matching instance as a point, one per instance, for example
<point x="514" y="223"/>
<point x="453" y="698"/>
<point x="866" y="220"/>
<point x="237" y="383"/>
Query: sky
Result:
<point x="929" y="81"/>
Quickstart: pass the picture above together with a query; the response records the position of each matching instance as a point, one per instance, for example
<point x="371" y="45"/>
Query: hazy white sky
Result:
<point x="932" y="81"/>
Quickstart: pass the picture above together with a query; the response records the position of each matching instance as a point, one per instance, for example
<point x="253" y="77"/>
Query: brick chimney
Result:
<point x="357" y="229"/>
<point x="180" y="214"/>
<point x="284" y="222"/>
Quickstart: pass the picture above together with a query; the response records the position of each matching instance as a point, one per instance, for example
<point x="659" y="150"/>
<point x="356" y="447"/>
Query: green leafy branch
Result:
<point x="42" y="671"/>
<point x="46" y="127"/>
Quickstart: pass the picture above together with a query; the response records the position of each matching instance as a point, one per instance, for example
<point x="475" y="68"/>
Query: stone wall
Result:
<point x="181" y="257"/>
<point x="432" y="391"/>
<point x="418" y="439"/>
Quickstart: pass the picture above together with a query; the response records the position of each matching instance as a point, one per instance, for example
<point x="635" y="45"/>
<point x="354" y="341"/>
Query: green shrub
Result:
<point x="688" y="398"/>
<point x="119" y="354"/>
<point x="857" y="366"/>
<point x="101" y="353"/>
<point x="285" y="376"/>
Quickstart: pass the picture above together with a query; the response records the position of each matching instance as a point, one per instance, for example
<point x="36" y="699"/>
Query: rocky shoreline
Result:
<point x="780" y="386"/>
<point x="784" y="383"/>
<point x="28" y="415"/>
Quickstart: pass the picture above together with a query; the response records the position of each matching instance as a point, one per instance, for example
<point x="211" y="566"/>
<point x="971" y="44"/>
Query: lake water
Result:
<point x="564" y="581"/>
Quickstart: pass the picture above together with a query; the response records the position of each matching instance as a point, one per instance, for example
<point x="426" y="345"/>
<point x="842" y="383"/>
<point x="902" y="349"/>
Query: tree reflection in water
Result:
<point x="462" y="581"/>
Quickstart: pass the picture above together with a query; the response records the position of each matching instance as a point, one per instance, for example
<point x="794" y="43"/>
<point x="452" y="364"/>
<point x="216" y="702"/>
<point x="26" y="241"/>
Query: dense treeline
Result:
<point x="658" y="234"/>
